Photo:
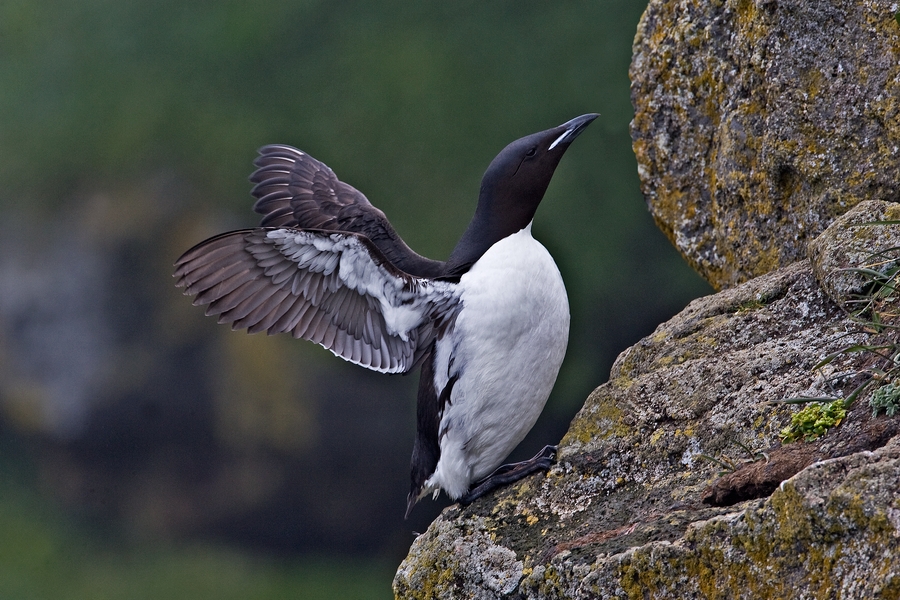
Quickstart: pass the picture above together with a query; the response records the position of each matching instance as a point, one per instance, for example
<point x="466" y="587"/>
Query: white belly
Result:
<point x="507" y="346"/>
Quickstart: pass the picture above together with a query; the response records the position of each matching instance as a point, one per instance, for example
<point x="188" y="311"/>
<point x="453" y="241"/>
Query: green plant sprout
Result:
<point x="875" y="310"/>
<point x="813" y="421"/>
<point x="886" y="397"/>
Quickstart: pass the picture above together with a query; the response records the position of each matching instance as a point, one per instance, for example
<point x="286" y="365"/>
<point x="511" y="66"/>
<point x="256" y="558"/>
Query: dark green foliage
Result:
<point x="886" y="398"/>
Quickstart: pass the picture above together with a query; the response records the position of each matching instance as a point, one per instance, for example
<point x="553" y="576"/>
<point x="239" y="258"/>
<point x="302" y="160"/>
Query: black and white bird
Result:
<point x="488" y="327"/>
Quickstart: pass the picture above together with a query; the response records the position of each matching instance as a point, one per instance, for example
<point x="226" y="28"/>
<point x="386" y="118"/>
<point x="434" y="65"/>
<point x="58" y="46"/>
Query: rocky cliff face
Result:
<point x="629" y="512"/>
<point x="757" y="124"/>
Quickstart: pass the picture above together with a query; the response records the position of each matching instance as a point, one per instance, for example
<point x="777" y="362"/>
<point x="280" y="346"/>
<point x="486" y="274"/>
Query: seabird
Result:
<point x="488" y="327"/>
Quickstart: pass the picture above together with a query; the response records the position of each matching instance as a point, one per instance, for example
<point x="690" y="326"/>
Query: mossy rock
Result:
<point x="626" y="512"/>
<point x="758" y="122"/>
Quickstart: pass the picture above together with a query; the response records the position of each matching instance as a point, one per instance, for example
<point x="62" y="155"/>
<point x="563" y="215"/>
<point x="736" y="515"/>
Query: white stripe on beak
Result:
<point x="561" y="138"/>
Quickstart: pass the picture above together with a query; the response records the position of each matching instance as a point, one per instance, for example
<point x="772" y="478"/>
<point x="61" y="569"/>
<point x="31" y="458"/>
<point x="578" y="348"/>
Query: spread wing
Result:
<point x="333" y="288"/>
<point x="293" y="189"/>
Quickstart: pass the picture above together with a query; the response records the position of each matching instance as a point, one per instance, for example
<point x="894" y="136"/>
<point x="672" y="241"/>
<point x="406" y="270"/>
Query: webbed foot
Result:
<point x="511" y="473"/>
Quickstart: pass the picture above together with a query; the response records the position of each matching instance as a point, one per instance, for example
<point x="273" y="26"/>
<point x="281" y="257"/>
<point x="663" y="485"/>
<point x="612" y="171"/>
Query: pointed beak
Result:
<point x="570" y="130"/>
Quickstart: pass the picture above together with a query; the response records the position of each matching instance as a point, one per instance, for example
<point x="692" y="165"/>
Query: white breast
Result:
<point x="507" y="346"/>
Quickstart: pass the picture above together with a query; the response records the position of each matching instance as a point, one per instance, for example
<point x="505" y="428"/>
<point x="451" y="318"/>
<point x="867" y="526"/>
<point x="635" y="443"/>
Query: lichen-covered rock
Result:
<point x="829" y="532"/>
<point x="862" y="238"/>
<point x="493" y="570"/>
<point x="757" y="122"/>
<point x="620" y="515"/>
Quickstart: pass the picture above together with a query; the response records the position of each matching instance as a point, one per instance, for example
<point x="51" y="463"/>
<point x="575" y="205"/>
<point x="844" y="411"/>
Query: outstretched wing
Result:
<point x="333" y="288"/>
<point x="293" y="189"/>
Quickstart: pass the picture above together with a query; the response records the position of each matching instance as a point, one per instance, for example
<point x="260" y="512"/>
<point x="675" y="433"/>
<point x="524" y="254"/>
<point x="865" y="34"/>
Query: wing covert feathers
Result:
<point x="333" y="288"/>
<point x="293" y="189"/>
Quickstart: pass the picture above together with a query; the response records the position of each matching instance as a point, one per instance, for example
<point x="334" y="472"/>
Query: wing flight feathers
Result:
<point x="293" y="189"/>
<point x="336" y="289"/>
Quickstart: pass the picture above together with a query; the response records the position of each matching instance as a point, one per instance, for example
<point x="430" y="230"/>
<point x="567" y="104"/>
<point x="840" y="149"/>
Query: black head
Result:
<point x="511" y="189"/>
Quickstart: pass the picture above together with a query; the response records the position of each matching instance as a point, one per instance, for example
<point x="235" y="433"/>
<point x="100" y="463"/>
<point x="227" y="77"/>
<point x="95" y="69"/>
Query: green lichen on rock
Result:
<point x="832" y="528"/>
<point x="607" y="419"/>
<point x="439" y="570"/>
<point x="757" y="123"/>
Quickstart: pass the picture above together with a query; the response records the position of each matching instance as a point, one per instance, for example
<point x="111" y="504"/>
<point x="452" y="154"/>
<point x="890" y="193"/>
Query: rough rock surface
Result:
<point x="866" y="237"/>
<point x="620" y="515"/>
<point x="757" y="122"/>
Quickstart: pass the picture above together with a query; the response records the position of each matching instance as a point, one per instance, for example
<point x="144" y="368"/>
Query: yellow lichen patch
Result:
<point x="657" y="435"/>
<point x="660" y="336"/>
<point x="504" y="504"/>
<point x="604" y="421"/>
<point x="530" y="518"/>
<point x="747" y="13"/>
<point x="621" y="382"/>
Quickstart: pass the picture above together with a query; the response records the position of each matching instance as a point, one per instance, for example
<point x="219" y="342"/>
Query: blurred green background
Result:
<point x="146" y="452"/>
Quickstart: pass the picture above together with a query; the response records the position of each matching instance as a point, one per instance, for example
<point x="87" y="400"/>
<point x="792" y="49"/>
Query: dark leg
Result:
<point x="507" y="474"/>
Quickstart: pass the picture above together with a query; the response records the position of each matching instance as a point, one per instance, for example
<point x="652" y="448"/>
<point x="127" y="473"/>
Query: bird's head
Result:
<point x="512" y="188"/>
<point x="516" y="180"/>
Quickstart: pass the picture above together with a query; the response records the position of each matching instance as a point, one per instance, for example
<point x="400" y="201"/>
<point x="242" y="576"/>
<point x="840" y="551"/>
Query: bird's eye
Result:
<point x="531" y="151"/>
